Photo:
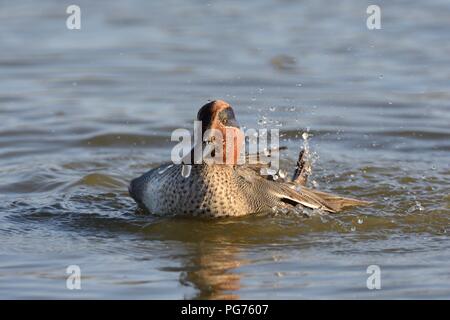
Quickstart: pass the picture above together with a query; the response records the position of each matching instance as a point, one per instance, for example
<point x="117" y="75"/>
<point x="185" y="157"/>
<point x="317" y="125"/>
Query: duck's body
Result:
<point x="224" y="190"/>
<point x="205" y="191"/>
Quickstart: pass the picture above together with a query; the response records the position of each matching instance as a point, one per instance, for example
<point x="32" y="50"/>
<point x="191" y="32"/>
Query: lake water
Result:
<point x="82" y="112"/>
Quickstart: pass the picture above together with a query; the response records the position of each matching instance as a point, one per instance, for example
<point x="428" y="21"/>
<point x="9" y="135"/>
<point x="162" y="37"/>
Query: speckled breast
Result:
<point x="195" y="190"/>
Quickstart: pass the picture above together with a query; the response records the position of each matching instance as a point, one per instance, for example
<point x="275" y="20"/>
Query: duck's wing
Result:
<point x="290" y="194"/>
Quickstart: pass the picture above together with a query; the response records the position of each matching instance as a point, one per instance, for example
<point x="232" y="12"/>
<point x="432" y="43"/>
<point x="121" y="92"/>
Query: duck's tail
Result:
<point x="293" y="194"/>
<point x="337" y="203"/>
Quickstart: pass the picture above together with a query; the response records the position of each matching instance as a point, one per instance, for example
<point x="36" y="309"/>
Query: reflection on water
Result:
<point x="212" y="272"/>
<point x="83" y="112"/>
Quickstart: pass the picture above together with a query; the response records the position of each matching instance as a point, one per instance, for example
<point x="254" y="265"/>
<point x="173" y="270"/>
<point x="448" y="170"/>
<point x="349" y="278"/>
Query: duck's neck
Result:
<point x="232" y="146"/>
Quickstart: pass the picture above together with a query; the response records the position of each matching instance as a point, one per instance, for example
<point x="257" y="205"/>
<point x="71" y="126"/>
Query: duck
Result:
<point x="227" y="188"/>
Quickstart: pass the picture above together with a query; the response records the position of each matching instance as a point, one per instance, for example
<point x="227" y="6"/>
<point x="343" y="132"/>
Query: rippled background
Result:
<point x="83" y="112"/>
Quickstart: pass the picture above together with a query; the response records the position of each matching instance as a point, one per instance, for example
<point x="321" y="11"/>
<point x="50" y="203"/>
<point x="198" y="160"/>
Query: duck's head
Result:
<point x="218" y="115"/>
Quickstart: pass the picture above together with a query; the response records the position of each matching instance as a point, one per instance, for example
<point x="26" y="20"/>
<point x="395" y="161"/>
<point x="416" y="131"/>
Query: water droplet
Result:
<point x="262" y="121"/>
<point x="298" y="85"/>
<point x="305" y="136"/>
<point x="272" y="109"/>
<point x="306" y="211"/>
<point x="186" y="170"/>
<point x="352" y="229"/>
<point x="282" y="174"/>
<point x="276" y="258"/>
<point x="381" y="76"/>
<point x="419" y="206"/>
<point x="360" y="221"/>
<point x="415" y="207"/>
<point x="275" y="177"/>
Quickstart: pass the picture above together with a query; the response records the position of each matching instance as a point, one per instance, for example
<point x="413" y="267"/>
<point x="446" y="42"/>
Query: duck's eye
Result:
<point x="223" y="117"/>
<point x="226" y="115"/>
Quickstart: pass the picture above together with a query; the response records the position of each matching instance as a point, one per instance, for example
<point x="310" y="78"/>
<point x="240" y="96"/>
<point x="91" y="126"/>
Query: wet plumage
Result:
<point x="225" y="190"/>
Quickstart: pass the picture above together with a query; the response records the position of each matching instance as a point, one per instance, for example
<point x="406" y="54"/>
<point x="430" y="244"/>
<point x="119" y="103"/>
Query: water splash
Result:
<point x="416" y="207"/>
<point x="268" y="171"/>
<point x="262" y="121"/>
<point x="305" y="137"/>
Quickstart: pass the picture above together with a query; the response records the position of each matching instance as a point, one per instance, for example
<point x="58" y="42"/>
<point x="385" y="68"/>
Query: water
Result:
<point x="83" y="112"/>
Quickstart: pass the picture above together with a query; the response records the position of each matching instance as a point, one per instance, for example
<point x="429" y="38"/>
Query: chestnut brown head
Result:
<point x="218" y="115"/>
